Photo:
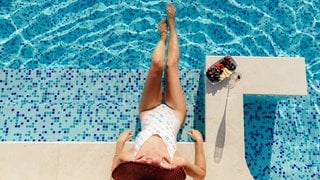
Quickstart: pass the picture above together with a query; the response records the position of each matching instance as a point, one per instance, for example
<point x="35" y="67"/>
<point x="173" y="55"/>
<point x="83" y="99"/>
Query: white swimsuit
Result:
<point x="159" y="121"/>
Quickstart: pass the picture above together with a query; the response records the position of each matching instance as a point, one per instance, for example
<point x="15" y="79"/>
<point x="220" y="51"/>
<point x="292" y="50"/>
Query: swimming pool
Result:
<point x="42" y="42"/>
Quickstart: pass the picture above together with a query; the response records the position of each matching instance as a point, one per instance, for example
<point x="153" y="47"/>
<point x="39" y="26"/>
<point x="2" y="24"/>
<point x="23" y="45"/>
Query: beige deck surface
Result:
<point x="273" y="76"/>
<point x="268" y="76"/>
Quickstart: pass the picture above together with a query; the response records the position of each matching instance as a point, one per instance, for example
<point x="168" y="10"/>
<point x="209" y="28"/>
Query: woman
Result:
<point x="154" y="154"/>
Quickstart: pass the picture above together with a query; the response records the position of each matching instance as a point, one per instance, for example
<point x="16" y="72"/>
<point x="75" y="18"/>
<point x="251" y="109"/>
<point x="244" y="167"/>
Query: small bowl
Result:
<point x="221" y="70"/>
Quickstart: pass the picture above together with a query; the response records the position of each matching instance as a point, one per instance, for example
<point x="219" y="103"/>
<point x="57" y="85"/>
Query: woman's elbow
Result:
<point x="201" y="175"/>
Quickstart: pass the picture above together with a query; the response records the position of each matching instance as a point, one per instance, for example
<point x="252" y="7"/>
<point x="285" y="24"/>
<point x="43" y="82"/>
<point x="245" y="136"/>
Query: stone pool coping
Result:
<point x="80" y="160"/>
<point x="260" y="76"/>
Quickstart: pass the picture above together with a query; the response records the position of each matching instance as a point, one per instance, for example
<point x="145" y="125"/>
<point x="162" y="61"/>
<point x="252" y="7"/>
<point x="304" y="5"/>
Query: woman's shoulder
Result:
<point x="178" y="159"/>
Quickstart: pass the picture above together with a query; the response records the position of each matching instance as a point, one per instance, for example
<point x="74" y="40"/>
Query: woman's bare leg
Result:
<point x="174" y="96"/>
<point x="152" y="93"/>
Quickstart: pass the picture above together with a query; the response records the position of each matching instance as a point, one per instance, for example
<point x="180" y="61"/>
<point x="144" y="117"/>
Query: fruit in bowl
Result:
<point x="221" y="70"/>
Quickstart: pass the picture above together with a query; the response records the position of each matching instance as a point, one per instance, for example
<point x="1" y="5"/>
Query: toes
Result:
<point x="170" y="10"/>
<point x="169" y="6"/>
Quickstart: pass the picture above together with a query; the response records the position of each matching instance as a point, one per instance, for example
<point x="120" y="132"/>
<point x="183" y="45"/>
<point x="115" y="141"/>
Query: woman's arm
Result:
<point x="123" y="137"/>
<point x="198" y="169"/>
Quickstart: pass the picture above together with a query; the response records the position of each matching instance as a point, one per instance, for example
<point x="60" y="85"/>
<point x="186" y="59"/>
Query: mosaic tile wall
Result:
<point x="81" y="34"/>
<point x="282" y="141"/>
<point x="82" y="105"/>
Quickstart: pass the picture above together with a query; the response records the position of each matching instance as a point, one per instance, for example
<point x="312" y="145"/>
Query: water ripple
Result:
<point x="235" y="27"/>
<point x="122" y="34"/>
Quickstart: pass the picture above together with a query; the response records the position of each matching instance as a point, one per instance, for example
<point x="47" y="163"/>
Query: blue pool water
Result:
<point x="63" y="62"/>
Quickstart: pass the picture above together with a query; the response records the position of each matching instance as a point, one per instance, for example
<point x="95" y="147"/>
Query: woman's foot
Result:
<point x="162" y="28"/>
<point x="171" y="14"/>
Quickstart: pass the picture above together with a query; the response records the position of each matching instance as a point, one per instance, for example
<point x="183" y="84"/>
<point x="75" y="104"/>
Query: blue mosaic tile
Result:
<point x="82" y="105"/>
<point x="282" y="138"/>
<point x="108" y="35"/>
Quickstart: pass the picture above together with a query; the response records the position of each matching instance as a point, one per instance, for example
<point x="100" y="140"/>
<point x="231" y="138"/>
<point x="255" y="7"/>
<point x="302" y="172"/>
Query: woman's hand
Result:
<point x="195" y="135"/>
<point x="198" y="169"/>
<point x="124" y="136"/>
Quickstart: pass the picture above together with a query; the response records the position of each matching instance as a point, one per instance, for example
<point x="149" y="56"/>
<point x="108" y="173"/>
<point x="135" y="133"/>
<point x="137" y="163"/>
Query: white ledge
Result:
<point x="260" y="75"/>
<point x="269" y="75"/>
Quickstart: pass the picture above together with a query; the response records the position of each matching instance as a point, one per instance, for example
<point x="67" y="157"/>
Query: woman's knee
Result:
<point x="157" y="64"/>
<point x="172" y="63"/>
